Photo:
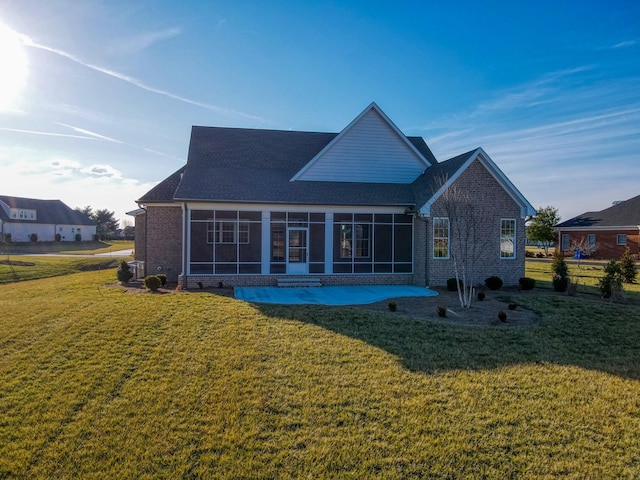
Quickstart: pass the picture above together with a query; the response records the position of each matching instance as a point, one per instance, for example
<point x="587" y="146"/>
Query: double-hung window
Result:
<point x="440" y="237"/>
<point x="507" y="238"/>
<point x="621" y="239"/>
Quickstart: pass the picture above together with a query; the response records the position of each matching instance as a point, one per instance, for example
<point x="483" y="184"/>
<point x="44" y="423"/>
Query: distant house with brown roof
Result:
<point x="28" y="219"/>
<point x="605" y="234"/>
<point x="362" y="206"/>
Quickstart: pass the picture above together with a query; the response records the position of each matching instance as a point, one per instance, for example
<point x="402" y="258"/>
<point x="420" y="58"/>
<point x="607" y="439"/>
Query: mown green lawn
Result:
<point x="586" y="275"/>
<point x="67" y="248"/>
<point x="17" y="268"/>
<point x="98" y="383"/>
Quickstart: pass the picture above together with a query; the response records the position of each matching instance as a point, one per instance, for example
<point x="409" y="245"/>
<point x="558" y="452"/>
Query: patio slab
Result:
<point x="333" y="295"/>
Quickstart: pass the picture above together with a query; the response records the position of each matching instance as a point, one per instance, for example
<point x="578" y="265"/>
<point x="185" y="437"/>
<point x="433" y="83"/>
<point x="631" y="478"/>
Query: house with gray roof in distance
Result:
<point x="29" y="219"/>
<point x="605" y="234"/>
<point x="361" y="206"/>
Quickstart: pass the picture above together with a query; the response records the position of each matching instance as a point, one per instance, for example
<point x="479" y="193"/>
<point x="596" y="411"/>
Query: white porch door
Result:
<point x="297" y="251"/>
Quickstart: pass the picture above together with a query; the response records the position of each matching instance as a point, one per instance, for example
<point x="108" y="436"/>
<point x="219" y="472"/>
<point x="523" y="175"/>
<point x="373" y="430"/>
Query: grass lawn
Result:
<point x="67" y="248"/>
<point x="16" y="268"/>
<point x="586" y="275"/>
<point x="98" y="383"/>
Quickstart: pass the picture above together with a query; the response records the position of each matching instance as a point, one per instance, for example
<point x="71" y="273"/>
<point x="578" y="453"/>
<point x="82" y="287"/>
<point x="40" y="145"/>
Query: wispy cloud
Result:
<point x="138" y="43"/>
<point x="625" y="44"/>
<point x="27" y="41"/>
<point x="47" y="134"/>
<point x="89" y="133"/>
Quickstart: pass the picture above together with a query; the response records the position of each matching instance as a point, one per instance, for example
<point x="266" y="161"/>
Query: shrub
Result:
<point x="78" y="237"/>
<point x="527" y="283"/>
<point x="611" y="284"/>
<point x="513" y="306"/>
<point x="7" y="238"/>
<point x="152" y="282"/>
<point x="481" y="296"/>
<point x="33" y="237"/>
<point x="124" y="272"/>
<point x="58" y="237"/>
<point x="502" y="316"/>
<point x="392" y="306"/>
<point x="628" y="267"/>
<point x="529" y="253"/>
<point x="539" y="255"/>
<point x="493" y="283"/>
<point x="452" y="285"/>
<point x="163" y="278"/>
<point x="442" y="311"/>
<point x="560" y="278"/>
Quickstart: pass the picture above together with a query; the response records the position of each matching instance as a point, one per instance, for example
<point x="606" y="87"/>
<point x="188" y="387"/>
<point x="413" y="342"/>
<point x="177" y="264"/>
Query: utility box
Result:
<point x="137" y="268"/>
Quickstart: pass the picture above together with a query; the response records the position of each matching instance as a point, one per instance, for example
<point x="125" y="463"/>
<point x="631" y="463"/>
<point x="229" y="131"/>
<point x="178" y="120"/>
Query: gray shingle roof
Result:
<point x="47" y="211"/>
<point x="623" y="214"/>
<point x="255" y="165"/>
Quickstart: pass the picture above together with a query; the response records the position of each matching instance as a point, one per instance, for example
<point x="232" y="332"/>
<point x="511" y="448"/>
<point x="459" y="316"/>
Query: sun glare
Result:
<point x="13" y="68"/>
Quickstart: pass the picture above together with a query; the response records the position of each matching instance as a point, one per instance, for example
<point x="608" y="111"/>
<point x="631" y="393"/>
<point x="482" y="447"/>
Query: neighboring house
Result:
<point x="24" y="219"/>
<point x="363" y="206"/>
<point x="604" y="234"/>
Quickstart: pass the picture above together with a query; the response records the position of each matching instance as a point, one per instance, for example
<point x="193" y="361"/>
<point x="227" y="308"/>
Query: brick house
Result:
<point x="605" y="234"/>
<point x="362" y="206"/>
<point x="25" y="219"/>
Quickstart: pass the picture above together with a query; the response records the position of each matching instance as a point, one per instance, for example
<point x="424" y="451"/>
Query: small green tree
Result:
<point x="628" y="267"/>
<point x="124" y="272"/>
<point x="541" y="227"/>
<point x="560" y="269"/>
<point x="611" y="284"/>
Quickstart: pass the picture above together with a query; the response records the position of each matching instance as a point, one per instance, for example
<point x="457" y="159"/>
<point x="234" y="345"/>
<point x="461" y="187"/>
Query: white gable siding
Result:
<point x="370" y="151"/>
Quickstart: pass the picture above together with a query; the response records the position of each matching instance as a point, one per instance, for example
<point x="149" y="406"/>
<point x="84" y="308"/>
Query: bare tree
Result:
<point x="468" y="240"/>
<point x="583" y="248"/>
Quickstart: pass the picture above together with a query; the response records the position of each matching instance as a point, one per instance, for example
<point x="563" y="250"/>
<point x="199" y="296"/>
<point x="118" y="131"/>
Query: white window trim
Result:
<point x="515" y="228"/>
<point x="434" y="238"/>
<point x="618" y="236"/>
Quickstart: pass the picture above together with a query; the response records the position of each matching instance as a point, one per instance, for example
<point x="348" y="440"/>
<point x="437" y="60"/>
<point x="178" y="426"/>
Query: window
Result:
<point x="360" y="246"/>
<point x="440" y="237"/>
<point x="346" y="234"/>
<point x="507" y="238"/>
<point x="565" y="242"/>
<point x="622" y="239"/>
<point x="591" y="241"/>
<point x="363" y="240"/>
<point x="231" y="232"/>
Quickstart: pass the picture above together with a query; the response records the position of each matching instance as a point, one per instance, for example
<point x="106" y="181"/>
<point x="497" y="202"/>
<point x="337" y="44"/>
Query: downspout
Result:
<point x="146" y="229"/>
<point x="185" y="225"/>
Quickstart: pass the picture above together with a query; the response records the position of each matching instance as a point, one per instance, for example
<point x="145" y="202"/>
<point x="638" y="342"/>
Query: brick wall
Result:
<point x="607" y="246"/>
<point x="489" y="197"/>
<point x="420" y="259"/>
<point x="191" y="282"/>
<point x="163" y="253"/>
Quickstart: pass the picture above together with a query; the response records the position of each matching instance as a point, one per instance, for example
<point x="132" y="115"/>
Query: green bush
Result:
<point x="481" y="296"/>
<point x="392" y="306"/>
<point x="33" y="237"/>
<point x="124" y="272"/>
<point x="78" y="237"/>
<point x="628" y="267"/>
<point x="152" y="282"/>
<point x="163" y="278"/>
<point x="527" y="283"/>
<point x="611" y="284"/>
<point x="560" y="278"/>
<point x="452" y="285"/>
<point x="58" y="237"/>
<point x="493" y="283"/>
<point x="502" y="316"/>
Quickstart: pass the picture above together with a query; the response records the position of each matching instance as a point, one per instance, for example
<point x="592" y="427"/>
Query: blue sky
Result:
<point x="97" y="98"/>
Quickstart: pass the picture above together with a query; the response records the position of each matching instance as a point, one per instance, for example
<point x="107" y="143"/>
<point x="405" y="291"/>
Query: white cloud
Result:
<point x="142" y="41"/>
<point x="135" y="82"/>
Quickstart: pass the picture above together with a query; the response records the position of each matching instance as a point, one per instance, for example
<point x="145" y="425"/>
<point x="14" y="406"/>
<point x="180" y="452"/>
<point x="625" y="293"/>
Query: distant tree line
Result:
<point x="106" y="223"/>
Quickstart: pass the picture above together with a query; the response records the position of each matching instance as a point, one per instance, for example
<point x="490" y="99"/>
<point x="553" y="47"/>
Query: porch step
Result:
<point x="299" y="282"/>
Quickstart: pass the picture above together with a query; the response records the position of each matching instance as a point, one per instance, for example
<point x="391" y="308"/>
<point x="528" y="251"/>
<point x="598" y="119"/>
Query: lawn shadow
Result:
<point x="582" y="332"/>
